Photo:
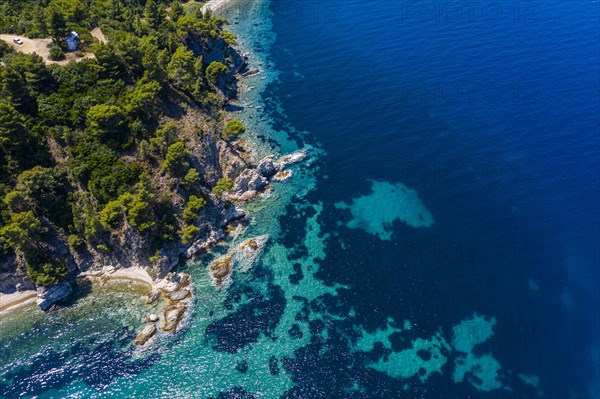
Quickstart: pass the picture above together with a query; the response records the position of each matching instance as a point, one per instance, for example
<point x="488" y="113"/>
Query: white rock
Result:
<point x="291" y="158"/>
<point x="249" y="180"/>
<point x="152" y="318"/>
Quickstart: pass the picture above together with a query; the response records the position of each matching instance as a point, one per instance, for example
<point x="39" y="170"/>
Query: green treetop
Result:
<point x="233" y="127"/>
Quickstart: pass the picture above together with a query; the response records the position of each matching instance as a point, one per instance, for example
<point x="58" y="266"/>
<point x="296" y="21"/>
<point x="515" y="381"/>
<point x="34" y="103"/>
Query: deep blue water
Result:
<point x="440" y="241"/>
<point x="489" y="112"/>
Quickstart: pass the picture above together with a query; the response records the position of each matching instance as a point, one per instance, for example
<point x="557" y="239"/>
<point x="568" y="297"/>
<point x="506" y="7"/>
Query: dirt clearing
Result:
<point x="42" y="48"/>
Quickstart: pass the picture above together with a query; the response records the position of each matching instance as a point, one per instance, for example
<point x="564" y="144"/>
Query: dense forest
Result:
<point x="105" y="147"/>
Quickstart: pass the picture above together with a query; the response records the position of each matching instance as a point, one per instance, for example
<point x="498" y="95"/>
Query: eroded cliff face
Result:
<point x="218" y="50"/>
<point x="214" y="158"/>
<point x="217" y="159"/>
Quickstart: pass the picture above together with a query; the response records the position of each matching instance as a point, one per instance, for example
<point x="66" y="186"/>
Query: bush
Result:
<point x="233" y="128"/>
<point x="140" y="213"/>
<point x="223" y="184"/>
<point x="47" y="273"/>
<point x="75" y="241"/>
<point x="164" y="136"/>
<point x="230" y="38"/>
<point x="137" y="208"/>
<point x="191" y="179"/>
<point x="176" y="160"/>
<point x="5" y="49"/>
<point x="56" y="53"/>
<point x="193" y="207"/>
<point x="112" y="214"/>
<point x="46" y="189"/>
<point x="103" y="248"/>
<point x="108" y="123"/>
<point x="92" y="228"/>
<point x="199" y="131"/>
<point x="189" y="233"/>
<point x="23" y="231"/>
<point x="215" y="71"/>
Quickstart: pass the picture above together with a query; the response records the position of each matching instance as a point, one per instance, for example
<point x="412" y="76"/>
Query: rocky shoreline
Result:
<point x="250" y="177"/>
<point x="240" y="257"/>
<point x="177" y="294"/>
<point x="174" y="290"/>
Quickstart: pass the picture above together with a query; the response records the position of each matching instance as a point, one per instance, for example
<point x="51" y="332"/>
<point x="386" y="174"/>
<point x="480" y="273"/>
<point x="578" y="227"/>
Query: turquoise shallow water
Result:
<point x="45" y="352"/>
<point x="189" y="365"/>
<point x="430" y="246"/>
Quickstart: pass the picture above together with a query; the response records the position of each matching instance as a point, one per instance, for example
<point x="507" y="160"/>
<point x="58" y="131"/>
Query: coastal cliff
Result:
<point x="125" y="160"/>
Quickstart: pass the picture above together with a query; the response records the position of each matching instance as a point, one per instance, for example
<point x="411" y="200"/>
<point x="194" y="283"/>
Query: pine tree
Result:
<point x="154" y="14"/>
<point x="56" y="23"/>
<point x="177" y="11"/>
<point x="181" y="69"/>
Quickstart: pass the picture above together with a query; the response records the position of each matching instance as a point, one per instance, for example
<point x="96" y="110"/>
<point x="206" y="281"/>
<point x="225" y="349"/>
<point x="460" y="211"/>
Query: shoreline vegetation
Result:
<point x="207" y="217"/>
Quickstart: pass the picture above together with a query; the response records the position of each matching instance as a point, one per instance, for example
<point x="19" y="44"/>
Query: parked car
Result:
<point x="18" y="41"/>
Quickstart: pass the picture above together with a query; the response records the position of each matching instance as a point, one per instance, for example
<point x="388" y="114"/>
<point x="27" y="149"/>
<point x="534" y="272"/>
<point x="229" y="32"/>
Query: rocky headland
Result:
<point x="123" y="253"/>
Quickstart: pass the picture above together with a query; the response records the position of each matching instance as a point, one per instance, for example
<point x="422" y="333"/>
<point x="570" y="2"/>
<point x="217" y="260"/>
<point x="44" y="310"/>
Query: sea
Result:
<point x="440" y="240"/>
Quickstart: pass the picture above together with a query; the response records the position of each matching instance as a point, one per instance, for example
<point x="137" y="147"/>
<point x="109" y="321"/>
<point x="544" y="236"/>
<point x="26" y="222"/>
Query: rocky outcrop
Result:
<point x="26" y="285"/>
<point x="241" y="256"/>
<point x="250" y="180"/>
<point x="169" y="259"/>
<point x="176" y="293"/>
<point x="213" y="231"/>
<point x="266" y="167"/>
<point x="218" y="50"/>
<point x="290" y="159"/>
<point x="13" y="276"/>
<point x="182" y="279"/>
<point x="152" y="296"/>
<point x="174" y="282"/>
<point x="283" y="175"/>
<point x="251" y="72"/>
<point x="204" y="244"/>
<point x="135" y="245"/>
<point x="230" y="162"/>
<point x="151" y="318"/>
<point x="253" y="181"/>
<point x="179" y="295"/>
<point x="54" y="251"/>
<point x="55" y="294"/>
<point x="248" y="252"/>
<point x="233" y="214"/>
<point x="175" y="288"/>
<point x="171" y="318"/>
<point x="84" y="280"/>
<point x="147" y="332"/>
<point x="220" y="270"/>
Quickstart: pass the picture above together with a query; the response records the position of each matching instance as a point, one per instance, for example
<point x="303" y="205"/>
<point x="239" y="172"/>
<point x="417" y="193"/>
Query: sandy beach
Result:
<point x="15" y="300"/>
<point x="134" y="275"/>
<point x="214" y="5"/>
<point x="138" y="276"/>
